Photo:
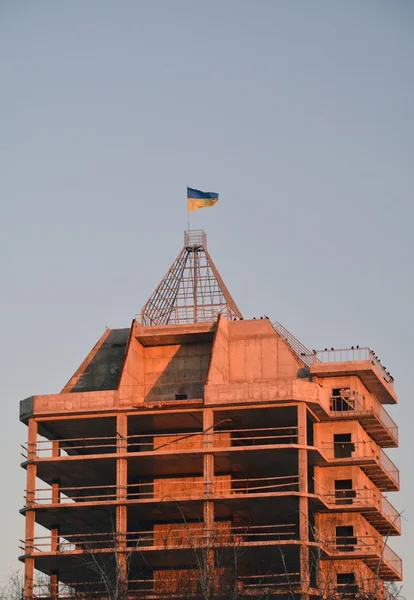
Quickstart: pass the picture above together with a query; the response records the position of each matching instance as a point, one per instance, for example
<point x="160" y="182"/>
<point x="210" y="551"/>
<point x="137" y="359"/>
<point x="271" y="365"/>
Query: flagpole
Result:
<point x="188" y="214"/>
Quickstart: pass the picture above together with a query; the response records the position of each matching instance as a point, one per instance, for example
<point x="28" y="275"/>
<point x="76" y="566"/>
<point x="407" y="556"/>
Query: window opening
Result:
<point x="344" y="492"/>
<point x="341" y="400"/>
<point x="343" y="446"/>
<point x="345" y="540"/>
<point x="345" y="583"/>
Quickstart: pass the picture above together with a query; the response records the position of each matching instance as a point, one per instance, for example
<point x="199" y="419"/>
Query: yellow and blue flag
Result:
<point x="197" y="199"/>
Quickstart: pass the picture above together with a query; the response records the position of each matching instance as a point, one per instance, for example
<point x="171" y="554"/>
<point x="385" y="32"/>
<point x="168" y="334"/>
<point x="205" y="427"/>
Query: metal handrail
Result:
<point x="376" y="453"/>
<point x="198" y="489"/>
<point x="184" y="536"/>
<point x="136" y="587"/>
<point x="354" y="354"/>
<point x="361" y="496"/>
<point x="391" y="512"/>
<point x="303" y="353"/>
<point x="355" y="404"/>
<point x="364" y="498"/>
<point x="389" y="466"/>
<point x="365" y="543"/>
<point x="200" y="440"/>
<point x="393" y="559"/>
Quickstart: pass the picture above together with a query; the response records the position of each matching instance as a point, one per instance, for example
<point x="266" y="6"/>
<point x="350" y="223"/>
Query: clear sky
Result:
<point x="300" y="114"/>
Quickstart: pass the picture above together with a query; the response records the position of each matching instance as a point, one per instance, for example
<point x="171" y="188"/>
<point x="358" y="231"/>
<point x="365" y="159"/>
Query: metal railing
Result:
<point x="188" y="536"/>
<point x="391" y="558"/>
<point x="165" y="588"/>
<point x="386" y="420"/>
<point x="354" y="354"/>
<point x="389" y="466"/>
<point x="332" y="355"/>
<point x="162" y="441"/>
<point x="391" y="513"/>
<point x="367" y="545"/>
<point x="362" y="498"/>
<point x="359" y="452"/>
<point x="164" y="490"/>
<point x="358" y="404"/>
<point x="195" y="237"/>
<point x="303" y="353"/>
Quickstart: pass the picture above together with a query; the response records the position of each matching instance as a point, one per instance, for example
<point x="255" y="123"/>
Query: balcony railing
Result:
<point x="187" y="536"/>
<point x="354" y="354"/>
<point x="391" y="512"/>
<point x="305" y="355"/>
<point x="162" y="442"/>
<point x="178" y="586"/>
<point x="389" y="466"/>
<point x="360" y="405"/>
<point x="363" y="453"/>
<point x="390" y="557"/>
<point x="371" y="503"/>
<point x="165" y="490"/>
<point x="371" y="549"/>
<point x="368" y="545"/>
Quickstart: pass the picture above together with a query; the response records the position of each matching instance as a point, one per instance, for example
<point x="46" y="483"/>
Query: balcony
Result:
<point x="367" y="455"/>
<point x="361" y="362"/>
<point x="376" y="509"/>
<point x="370" y="413"/>
<point x="371" y="549"/>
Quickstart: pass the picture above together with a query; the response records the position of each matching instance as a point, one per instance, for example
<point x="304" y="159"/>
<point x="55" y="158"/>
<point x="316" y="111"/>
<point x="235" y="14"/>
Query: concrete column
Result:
<point x="55" y="448"/>
<point x="54" y="586"/>
<point x="54" y="532"/>
<point x="302" y="424"/>
<point x="121" y="485"/>
<point x="303" y="501"/>
<point x="208" y="464"/>
<point x="208" y="476"/>
<point x="30" y="514"/>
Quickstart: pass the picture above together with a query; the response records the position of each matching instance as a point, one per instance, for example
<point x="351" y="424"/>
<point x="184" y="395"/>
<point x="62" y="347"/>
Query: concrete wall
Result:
<point x="51" y="404"/>
<point x="102" y="368"/>
<point x="131" y="385"/>
<point x="289" y="390"/>
<point x="176" y="369"/>
<point x="325" y="477"/>
<point x="327" y="524"/>
<point x="218" y="371"/>
<point x="364" y="576"/>
<point x="350" y="381"/>
<point x="257" y="353"/>
<point x="324" y="438"/>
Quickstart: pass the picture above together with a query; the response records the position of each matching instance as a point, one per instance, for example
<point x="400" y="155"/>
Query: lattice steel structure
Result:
<point x="192" y="291"/>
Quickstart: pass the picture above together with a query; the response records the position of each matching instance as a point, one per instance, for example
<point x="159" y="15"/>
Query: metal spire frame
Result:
<point x="192" y="290"/>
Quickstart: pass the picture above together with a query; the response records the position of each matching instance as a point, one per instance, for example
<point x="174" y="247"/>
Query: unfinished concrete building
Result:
<point x="197" y="454"/>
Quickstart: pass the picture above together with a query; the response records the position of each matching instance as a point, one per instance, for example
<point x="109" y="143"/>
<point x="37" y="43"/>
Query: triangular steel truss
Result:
<point x="192" y="291"/>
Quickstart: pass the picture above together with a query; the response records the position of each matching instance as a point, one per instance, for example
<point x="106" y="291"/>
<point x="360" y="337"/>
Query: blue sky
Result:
<point x="300" y="114"/>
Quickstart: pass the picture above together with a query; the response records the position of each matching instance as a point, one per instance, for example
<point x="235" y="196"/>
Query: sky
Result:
<point x="299" y="114"/>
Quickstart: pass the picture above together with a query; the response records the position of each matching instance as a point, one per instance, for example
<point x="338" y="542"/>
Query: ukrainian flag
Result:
<point x="197" y="199"/>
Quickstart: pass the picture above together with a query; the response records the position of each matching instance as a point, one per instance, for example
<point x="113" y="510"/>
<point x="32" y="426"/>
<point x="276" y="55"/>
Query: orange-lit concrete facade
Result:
<point x="213" y="439"/>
